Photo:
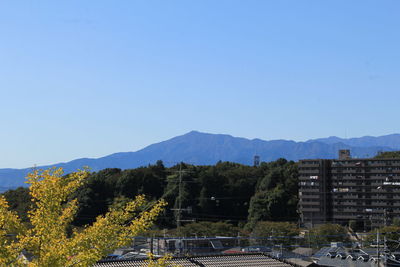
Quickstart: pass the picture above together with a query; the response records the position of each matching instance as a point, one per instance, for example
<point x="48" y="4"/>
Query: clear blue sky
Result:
<point x="89" y="78"/>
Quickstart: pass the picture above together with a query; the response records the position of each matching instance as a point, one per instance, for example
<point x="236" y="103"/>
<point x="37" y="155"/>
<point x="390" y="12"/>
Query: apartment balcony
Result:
<point x="345" y="217"/>
<point x="310" y="196"/>
<point x="309" y="203"/>
<point x="309" y="178"/>
<point x="310" y="190"/>
<point x="347" y="184"/>
<point x="305" y="172"/>
<point x="309" y="165"/>
<point x="346" y="210"/>
<point x="308" y="209"/>
<point x="344" y="203"/>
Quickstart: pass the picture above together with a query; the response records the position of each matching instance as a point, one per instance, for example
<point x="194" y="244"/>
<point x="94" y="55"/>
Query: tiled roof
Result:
<point x="303" y="251"/>
<point x="322" y="252"/>
<point x="241" y="260"/>
<point x="142" y="263"/>
<point x="327" y="261"/>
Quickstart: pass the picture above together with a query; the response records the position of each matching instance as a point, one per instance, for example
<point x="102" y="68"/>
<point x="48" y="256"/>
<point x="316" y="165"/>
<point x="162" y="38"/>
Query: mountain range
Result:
<point x="204" y="149"/>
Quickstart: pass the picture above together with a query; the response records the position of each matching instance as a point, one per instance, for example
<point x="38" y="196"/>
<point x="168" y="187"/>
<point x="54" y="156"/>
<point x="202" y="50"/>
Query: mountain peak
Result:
<point x="194" y="132"/>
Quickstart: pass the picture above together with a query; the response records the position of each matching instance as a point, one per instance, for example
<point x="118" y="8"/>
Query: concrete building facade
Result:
<point x="340" y="190"/>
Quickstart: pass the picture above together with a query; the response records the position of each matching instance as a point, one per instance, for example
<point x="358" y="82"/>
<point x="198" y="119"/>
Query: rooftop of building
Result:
<point x="238" y="260"/>
<point x="341" y="256"/>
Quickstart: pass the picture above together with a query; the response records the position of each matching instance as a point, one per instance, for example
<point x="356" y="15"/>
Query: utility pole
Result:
<point x="385" y="251"/>
<point x="377" y="248"/>
<point x="178" y="216"/>
<point x="272" y="238"/>
<point x="179" y="209"/>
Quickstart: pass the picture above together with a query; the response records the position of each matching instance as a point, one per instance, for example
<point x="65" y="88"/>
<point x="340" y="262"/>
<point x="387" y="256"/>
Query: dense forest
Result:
<point x="388" y="155"/>
<point x="227" y="192"/>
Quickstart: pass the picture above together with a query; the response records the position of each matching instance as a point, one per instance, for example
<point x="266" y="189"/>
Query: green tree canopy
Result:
<point x="323" y="235"/>
<point x="388" y="155"/>
<point x="273" y="233"/>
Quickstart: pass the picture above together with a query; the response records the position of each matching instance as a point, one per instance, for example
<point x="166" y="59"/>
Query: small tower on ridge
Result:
<point x="256" y="161"/>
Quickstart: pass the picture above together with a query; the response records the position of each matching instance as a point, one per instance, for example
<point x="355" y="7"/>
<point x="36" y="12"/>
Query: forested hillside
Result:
<point x="229" y="192"/>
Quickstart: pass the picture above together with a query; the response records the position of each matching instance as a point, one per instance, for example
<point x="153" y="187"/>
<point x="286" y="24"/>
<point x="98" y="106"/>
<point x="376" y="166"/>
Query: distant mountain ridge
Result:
<point x="391" y="140"/>
<point x="205" y="149"/>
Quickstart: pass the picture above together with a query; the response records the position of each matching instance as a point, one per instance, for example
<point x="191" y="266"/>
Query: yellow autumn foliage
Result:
<point x="160" y="262"/>
<point x="47" y="241"/>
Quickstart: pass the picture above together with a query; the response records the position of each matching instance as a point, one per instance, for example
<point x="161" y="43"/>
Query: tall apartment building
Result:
<point x="364" y="190"/>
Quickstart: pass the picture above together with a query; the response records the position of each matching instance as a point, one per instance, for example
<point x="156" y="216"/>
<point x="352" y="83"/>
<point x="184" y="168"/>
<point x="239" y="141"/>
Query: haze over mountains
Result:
<point x="205" y="149"/>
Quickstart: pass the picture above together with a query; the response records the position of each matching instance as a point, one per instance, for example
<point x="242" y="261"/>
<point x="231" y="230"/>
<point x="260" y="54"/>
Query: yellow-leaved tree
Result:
<point x="46" y="238"/>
